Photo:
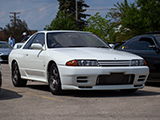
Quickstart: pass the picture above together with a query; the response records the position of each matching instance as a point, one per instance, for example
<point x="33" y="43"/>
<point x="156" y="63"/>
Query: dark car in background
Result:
<point x="148" y="47"/>
<point x="5" y="50"/>
<point x="0" y="78"/>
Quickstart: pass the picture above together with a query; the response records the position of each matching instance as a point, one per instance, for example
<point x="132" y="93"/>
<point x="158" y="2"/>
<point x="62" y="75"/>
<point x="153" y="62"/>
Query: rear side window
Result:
<point x="130" y="44"/>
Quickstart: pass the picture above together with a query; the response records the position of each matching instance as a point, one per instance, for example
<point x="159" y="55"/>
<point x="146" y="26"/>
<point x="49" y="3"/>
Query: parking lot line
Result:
<point x="50" y="98"/>
<point x="43" y="96"/>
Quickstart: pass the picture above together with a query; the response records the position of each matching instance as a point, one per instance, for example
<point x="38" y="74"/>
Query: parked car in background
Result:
<point x="118" y="44"/>
<point x="5" y="50"/>
<point x="74" y="60"/>
<point x="148" y="47"/>
<point x="0" y="77"/>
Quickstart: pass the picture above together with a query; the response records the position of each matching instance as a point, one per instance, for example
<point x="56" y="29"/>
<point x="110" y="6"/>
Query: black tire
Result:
<point x="16" y="78"/>
<point x="129" y="90"/>
<point x="54" y="80"/>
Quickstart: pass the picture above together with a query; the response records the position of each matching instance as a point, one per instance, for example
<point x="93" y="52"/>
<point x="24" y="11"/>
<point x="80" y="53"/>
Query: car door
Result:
<point x="34" y="65"/>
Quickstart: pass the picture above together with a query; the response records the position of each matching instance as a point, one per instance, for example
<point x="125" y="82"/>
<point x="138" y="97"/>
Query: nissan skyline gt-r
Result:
<point x="75" y="60"/>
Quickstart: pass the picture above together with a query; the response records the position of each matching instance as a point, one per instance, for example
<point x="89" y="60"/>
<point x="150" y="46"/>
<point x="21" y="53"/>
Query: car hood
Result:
<point x="91" y="53"/>
<point x="5" y="51"/>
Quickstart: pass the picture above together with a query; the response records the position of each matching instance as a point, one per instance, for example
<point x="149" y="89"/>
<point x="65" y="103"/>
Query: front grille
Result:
<point x="115" y="79"/>
<point x="112" y="63"/>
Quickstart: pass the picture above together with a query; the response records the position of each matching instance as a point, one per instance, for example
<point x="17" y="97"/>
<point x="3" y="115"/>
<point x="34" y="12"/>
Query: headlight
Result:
<point x="82" y="63"/>
<point x="138" y="63"/>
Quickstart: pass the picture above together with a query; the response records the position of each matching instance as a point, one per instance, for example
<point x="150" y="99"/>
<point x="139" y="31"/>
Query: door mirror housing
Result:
<point x="37" y="46"/>
<point x="155" y="48"/>
<point x="152" y="46"/>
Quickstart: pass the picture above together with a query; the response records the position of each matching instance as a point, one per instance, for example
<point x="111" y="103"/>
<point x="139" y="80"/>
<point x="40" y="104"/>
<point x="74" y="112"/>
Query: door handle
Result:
<point x="26" y="54"/>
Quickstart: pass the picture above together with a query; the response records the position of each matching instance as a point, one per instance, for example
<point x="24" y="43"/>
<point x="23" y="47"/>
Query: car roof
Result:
<point x="3" y="42"/>
<point x="62" y="31"/>
<point x="153" y="33"/>
<point x="148" y="35"/>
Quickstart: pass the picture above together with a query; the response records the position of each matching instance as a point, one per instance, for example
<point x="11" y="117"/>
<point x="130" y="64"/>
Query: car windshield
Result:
<point x="74" y="39"/>
<point x="158" y="39"/>
<point x="5" y="45"/>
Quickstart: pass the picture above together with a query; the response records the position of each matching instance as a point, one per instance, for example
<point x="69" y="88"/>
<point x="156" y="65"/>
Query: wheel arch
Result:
<point x="48" y="67"/>
<point x="13" y="61"/>
<point x="55" y="87"/>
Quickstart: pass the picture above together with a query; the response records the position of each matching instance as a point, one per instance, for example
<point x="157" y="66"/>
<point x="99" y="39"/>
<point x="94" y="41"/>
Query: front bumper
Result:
<point x="85" y="78"/>
<point x="4" y="59"/>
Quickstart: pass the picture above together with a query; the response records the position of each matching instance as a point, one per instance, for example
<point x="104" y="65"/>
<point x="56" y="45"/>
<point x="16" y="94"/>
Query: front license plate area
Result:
<point x="115" y="79"/>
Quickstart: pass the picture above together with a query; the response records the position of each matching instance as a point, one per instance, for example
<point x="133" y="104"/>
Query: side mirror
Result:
<point x="37" y="46"/>
<point x="112" y="46"/>
<point x="155" y="48"/>
<point x="152" y="46"/>
<point x="158" y="50"/>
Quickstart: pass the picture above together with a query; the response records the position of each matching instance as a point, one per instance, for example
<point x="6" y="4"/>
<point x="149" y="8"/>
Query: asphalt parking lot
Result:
<point x="35" y="102"/>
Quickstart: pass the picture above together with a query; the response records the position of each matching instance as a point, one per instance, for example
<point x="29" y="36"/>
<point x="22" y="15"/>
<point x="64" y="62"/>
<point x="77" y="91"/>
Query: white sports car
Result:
<point x="74" y="60"/>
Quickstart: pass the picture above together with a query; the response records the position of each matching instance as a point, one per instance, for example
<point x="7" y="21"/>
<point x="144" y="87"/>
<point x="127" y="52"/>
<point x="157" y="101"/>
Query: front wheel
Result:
<point x="54" y="80"/>
<point x="16" y="78"/>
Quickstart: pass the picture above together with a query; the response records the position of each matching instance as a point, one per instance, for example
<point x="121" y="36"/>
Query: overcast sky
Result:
<point x="38" y="13"/>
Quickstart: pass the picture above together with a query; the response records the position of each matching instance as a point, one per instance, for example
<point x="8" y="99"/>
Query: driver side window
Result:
<point x="144" y="44"/>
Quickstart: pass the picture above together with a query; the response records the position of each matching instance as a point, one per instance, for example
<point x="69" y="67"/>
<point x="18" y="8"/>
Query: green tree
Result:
<point x="124" y="18"/>
<point x="149" y="11"/>
<point x="99" y="26"/>
<point x="62" y="23"/>
<point x="135" y="18"/>
<point x="16" y="29"/>
<point x="67" y="11"/>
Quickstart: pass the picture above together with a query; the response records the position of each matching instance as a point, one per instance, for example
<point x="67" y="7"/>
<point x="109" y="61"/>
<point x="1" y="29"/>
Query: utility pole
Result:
<point x="14" y="16"/>
<point x="76" y="11"/>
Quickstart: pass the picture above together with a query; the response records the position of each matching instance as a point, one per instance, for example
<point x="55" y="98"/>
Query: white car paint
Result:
<point x="33" y="64"/>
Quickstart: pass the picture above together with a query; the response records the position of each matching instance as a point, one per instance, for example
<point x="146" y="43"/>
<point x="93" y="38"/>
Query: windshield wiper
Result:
<point x="77" y="46"/>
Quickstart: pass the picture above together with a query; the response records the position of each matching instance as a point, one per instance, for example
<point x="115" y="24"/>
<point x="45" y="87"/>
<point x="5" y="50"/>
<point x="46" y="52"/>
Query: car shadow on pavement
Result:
<point x="39" y="87"/>
<point x="8" y="94"/>
<point x="101" y="93"/>
<point x="153" y="84"/>
<point x="109" y="93"/>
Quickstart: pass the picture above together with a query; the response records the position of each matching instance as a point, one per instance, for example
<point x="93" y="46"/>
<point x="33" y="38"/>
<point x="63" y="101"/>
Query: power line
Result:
<point x="3" y="19"/>
<point x="36" y="8"/>
<point x="47" y="6"/>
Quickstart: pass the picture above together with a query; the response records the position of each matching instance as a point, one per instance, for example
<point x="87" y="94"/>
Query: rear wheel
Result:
<point x="16" y="78"/>
<point x="129" y="90"/>
<point x="54" y="80"/>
